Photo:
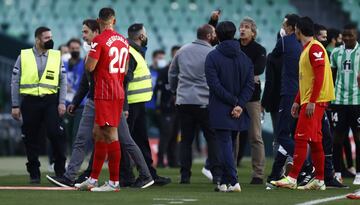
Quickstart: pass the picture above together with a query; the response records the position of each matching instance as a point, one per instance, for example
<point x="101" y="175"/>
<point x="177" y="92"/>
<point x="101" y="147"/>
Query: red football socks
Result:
<point x="99" y="158"/>
<point x="317" y="155"/>
<point x="299" y="157"/>
<point x="300" y="154"/>
<point x="114" y="156"/>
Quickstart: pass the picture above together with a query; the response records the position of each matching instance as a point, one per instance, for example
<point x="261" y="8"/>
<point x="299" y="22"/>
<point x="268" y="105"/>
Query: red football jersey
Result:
<point x="111" y="50"/>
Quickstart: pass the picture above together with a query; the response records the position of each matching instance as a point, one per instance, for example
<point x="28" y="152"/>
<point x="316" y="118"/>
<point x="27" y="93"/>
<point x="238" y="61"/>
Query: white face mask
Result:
<point x="86" y="47"/>
<point x="162" y="63"/>
<point x="66" y="57"/>
<point x="282" y="32"/>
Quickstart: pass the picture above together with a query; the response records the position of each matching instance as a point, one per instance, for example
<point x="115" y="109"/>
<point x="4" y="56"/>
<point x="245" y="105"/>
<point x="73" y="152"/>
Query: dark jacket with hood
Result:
<point x="230" y="76"/>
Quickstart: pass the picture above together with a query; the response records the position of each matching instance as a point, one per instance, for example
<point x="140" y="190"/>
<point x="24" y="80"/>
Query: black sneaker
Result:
<point x="305" y="178"/>
<point x="161" y="181"/>
<point x="270" y="178"/>
<point x="142" y="183"/>
<point x="335" y="184"/>
<point x="34" y="181"/>
<point x="83" y="177"/>
<point x="124" y="184"/>
<point x="347" y="174"/>
<point x="60" y="181"/>
<point x="256" y="180"/>
<point x="184" y="180"/>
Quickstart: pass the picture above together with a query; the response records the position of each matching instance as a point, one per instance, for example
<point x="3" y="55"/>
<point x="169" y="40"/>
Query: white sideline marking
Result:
<point x="36" y="188"/>
<point x="319" y="201"/>
<point x="174" y="199"/>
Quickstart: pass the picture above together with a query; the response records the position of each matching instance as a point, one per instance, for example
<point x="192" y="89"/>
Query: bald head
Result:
<point x="204" y="31"/>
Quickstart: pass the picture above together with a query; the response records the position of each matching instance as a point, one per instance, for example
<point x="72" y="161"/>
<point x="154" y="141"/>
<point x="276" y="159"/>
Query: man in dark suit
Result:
<point x="230" y="77"/>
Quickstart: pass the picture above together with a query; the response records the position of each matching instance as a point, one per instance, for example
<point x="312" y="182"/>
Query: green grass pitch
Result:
<point x="200" y="191"/>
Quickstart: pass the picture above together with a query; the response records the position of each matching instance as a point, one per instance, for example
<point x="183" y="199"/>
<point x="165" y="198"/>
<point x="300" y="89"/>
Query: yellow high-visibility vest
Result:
<point x="306" y="77"/>
<point x="140" y="87"/>
<point x="30" y="83"/>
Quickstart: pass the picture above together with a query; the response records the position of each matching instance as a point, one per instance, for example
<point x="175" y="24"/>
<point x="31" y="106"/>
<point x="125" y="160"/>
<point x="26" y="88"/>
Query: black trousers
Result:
<point x="138" y="130"/>
<point x="35" y="111"/>
<point x="345" y="117"/>
<point x="192" y="116"/>
<point x="169" y="128"/>
<point x="327" y="142"/>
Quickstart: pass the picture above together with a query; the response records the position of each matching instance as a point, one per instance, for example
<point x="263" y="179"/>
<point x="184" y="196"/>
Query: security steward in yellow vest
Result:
<point x="139" y="91"/>
<point x="39" y="80"/>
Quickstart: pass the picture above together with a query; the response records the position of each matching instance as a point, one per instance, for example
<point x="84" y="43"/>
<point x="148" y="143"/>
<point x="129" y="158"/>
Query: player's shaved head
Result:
<point x="106" y="15"/>
<point x="350" y="35"/>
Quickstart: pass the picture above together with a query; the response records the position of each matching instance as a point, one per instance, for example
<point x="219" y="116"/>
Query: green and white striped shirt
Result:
<point x="347" y="63"/>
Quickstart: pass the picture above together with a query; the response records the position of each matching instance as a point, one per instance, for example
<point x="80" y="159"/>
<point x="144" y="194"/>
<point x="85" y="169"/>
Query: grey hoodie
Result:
<point x="187" y="74"/>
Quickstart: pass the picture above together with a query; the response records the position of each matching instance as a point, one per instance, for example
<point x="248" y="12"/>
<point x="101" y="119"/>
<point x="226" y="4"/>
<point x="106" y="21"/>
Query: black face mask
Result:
<point x="324" y="43"/>
<point x="49" y="44"/>
<point x="337" y="44"/>
<point x="75" y="54"/>
<point x="144" y="42"/>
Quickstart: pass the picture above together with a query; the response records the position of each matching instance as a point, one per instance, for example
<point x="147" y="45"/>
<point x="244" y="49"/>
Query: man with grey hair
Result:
<point x="257" y="54"/>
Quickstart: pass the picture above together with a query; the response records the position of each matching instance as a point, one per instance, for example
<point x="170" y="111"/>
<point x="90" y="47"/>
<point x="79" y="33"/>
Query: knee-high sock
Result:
<point x="299" y="157"/>
<point x="317" y="155"/>
<point x="99" y="158"/>
<point x="114" y="156"/>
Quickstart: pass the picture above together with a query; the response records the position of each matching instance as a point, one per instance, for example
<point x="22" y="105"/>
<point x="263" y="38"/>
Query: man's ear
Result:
<point x="114" y="22"/>
<point x="141" y="37"/>
<point x="208" y="36"/>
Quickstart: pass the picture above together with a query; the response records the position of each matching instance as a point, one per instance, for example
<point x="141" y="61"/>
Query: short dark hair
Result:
<point x="157" y="52"/>
<point x="350" y="26"/>
<point x="62" y="45"/>
<point x="332" y="33"/>
<point x="225" y="30"/>
<point x="318" y="28"/>
<point x="292" y="20"/>
<point x="92" y="24"/>
<point x="40" y="30"/>
<point x="306" y="26"/>
<point x="73" y="40"/>
<point x="203" y="31"/>
<point x="134" y="30"/>
<point x="174" y="48"/>
<point x="106" y="13"/>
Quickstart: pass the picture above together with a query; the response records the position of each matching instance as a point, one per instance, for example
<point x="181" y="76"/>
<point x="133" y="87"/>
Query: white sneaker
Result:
<point x="86" y="185"/>
<point x="339" y="177"/>
<point x="207" y="173"/>
<point x="286" y="182"/>
<point x="221" y="188"/>
<point x="107" y="187"/>
<point x="235" y="188"/>
<point x="357" y="180"/>
<point x="352" y="170"/>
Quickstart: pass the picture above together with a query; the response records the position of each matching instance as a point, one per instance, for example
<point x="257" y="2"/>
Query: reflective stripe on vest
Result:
<point x="140" y="87"/>
<point x="30" y="84"/>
